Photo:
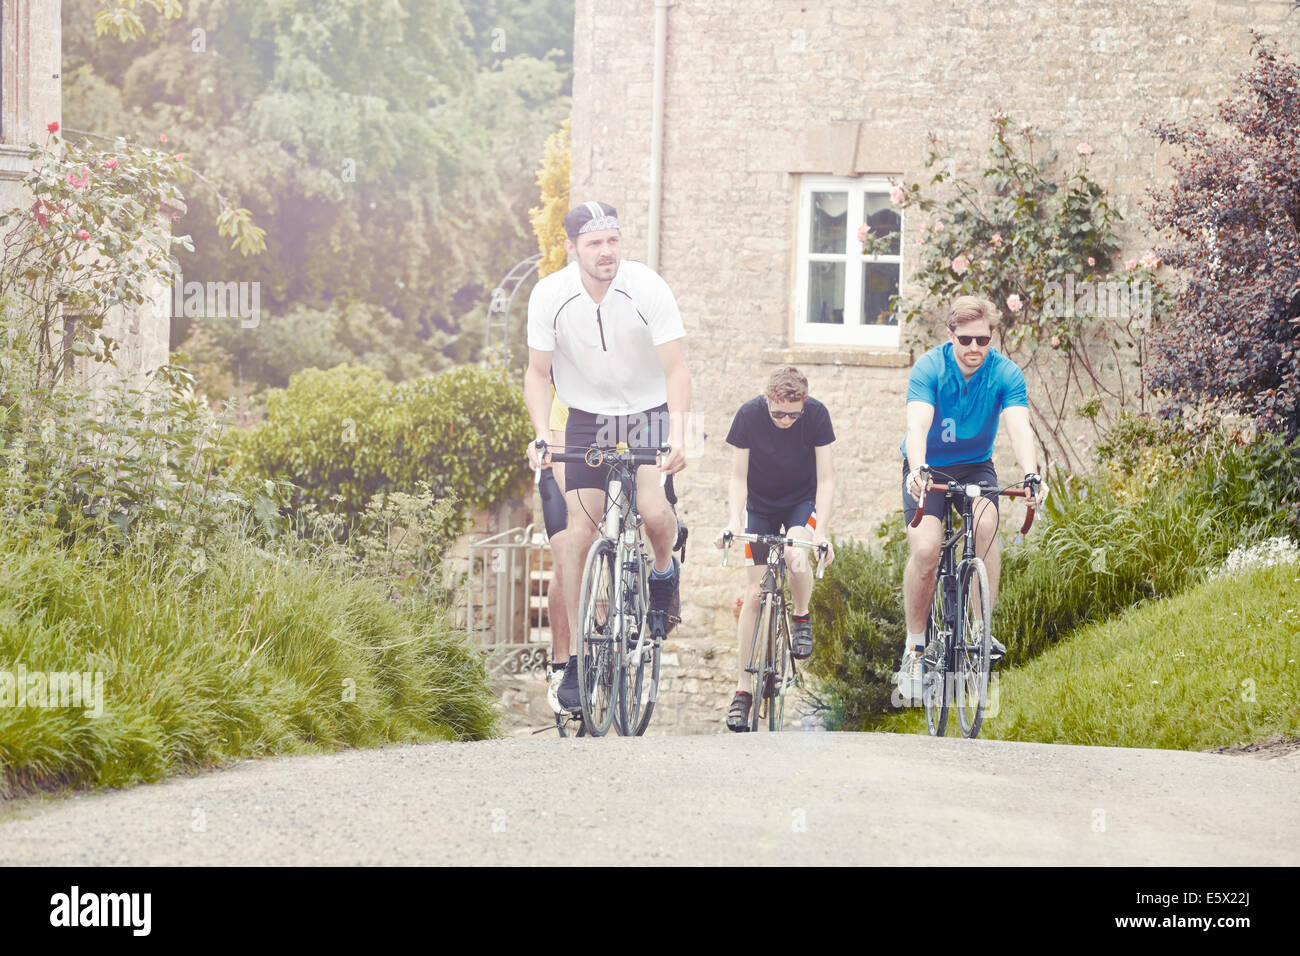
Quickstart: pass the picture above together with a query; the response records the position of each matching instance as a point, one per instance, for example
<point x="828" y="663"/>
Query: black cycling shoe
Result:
<point x="801" y="641"/>
<point x="567" y="695"/>
<point x="662" y="590"/>
<point x="738" y="715"/>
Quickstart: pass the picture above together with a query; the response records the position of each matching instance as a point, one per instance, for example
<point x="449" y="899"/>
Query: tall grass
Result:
<point x="251" y="654"/>
<point x="1215" y="666"/>
<point x="1108" y="544"/>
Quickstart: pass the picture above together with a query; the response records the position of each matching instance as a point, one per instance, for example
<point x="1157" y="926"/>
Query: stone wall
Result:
<point x="757" y="95"/>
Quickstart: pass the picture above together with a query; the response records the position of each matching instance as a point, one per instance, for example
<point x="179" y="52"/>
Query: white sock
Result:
<point x="914" y="642"/>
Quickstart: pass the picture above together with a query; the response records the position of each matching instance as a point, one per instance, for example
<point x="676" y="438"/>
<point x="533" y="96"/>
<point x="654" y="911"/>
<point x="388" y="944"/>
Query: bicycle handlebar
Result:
<point x="596" y="457"/>
<point x="941" y="487"/>
<point x="774" y="540"/>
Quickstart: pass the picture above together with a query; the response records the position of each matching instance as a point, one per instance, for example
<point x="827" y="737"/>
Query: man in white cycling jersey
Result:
<point x="606" y="331"/>
<point x="955" y="395"/>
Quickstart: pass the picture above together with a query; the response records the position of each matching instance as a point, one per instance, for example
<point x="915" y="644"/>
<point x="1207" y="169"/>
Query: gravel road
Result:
<point x="803" y="798"/>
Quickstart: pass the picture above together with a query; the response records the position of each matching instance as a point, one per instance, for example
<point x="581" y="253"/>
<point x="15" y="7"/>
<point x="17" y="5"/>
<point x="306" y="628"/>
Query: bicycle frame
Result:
<point x="772" y="600"/>
<point x="620" y="530"/>
<point x="951" y="583"/>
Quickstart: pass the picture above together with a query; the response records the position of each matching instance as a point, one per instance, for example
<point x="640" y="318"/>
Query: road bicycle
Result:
<point x="771" y="663"/>
<point x="618" y="639"/>
<point x="958" y="633"/>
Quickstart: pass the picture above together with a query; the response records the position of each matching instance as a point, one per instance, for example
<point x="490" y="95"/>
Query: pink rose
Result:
<point x="1083" y="149"/>
<point x="897" y="195"/>
<point x="1014" y="303"/>
<point x="82" y="234"/>
<point x="53" y="127"/>
<point x="1130" y="265"/>
<point x="1092" y="261"/>
<point x="961" y="264"/>
<point x="110" y="163"/>
<point x="996" y="239"/>
<point x="180" y="157"/>
<point x="938" y="225"/>
<point x="1150" y="261"/>
<point x="77" y="183"/>
<point x="862" y="232"/>
<point x="162" y="137"/>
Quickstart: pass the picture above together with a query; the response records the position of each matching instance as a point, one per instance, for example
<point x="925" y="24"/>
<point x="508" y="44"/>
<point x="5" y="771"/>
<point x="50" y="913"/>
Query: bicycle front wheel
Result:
<point x="759" y="661"/>
<point x="974" y="647"/>
<point x="781" y="665"/>
<point x="934" y="680"/>
<point x="639" y="681"/>
<point x="598" y="634"/>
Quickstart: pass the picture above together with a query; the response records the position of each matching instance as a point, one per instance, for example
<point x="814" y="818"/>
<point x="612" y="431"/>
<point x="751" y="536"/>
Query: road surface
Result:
<point x="799" y="798"/>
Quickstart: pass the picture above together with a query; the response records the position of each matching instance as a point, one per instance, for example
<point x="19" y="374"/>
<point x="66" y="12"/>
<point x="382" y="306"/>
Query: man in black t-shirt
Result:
<point x="782" y="481"/>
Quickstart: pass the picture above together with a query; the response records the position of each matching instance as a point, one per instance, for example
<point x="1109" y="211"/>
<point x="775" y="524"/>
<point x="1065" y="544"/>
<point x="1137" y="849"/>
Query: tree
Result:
<point x="1231" y="216"/>
<point x="548" y="219"/>
<point x="388" y="167"/>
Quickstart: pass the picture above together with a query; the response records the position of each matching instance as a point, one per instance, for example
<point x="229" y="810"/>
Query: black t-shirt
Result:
<point x="782" y="462"/>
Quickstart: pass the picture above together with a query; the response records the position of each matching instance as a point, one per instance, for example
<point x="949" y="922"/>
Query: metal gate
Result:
<point x="505" y="611"/>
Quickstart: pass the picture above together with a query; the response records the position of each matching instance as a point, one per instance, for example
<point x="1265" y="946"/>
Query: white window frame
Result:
<point x="852" y="332"/>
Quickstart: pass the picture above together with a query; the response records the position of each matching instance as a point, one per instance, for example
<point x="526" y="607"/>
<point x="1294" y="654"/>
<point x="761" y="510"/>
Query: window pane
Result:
<point x="879" y="282"/>
<point x="882" y="218"/>
<point x="830" y="214"/>
<point x="826" y="292"/>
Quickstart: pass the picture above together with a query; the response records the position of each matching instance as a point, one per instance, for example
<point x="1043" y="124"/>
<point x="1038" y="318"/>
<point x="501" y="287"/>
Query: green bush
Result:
<point x="860" y="630"/>
<point x="463" y="430"/>
<point x="1108" y="541"/>
<point x="349" y="432"/>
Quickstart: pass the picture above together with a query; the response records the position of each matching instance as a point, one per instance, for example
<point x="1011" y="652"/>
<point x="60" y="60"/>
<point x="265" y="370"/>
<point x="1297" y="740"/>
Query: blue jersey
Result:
<point x="965" y="410"/>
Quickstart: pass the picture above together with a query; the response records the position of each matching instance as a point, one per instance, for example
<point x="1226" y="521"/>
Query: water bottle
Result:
<point x="555" y="513"/>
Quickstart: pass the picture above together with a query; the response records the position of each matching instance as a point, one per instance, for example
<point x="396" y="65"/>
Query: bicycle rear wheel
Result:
<point x="934" y="681"/>
<point x="639" y="674"/>
<point x="974" y="647"/>
<point x="598" y="628"/>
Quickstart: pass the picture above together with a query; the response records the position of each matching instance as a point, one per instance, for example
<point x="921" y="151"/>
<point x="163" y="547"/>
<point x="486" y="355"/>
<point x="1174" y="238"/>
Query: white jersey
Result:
<point x="603" y="356"/>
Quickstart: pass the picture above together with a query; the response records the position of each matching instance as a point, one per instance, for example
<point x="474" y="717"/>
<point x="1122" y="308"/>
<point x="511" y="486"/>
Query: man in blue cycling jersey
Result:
<point x="955" y="396"/>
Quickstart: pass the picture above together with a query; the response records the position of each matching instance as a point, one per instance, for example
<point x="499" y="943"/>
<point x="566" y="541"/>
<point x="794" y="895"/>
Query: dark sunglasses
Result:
<point x="980" y="340"/>
<point x="790" y="415"/>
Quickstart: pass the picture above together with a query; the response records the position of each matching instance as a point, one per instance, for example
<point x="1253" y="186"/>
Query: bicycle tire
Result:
<point x="934" y="684"/>
<point x="598" y="627"/>
<point x="639" y="680"/>
<point x="973" y="646"/>
<point x="758" y="660"/>
<point x="780" y="664"/>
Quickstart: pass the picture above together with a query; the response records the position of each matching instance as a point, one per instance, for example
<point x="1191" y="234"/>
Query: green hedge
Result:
<point x="350" y="432"/>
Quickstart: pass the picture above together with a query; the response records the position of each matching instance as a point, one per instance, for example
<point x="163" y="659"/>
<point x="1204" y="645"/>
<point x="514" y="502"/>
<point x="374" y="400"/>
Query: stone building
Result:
<point x="30" y="99"/>
<point x="782" y="123"/>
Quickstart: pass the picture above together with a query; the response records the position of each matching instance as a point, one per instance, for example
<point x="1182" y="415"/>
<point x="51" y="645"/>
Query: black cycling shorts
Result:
<point x="648" y="429"/>
<point x="959" y="474"/>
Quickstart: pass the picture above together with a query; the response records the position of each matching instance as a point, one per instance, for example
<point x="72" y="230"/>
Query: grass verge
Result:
<point x="205" y="661"/>
<point x="1218" y="665"/>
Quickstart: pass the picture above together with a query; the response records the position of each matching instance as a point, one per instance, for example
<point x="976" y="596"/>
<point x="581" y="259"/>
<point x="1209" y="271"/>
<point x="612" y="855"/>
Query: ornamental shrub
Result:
<point x="346" y="434"/>
<point x="1232" y="217"/>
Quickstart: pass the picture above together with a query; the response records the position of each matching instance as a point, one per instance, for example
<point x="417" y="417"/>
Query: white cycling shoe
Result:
<point x="908" y="678"/>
